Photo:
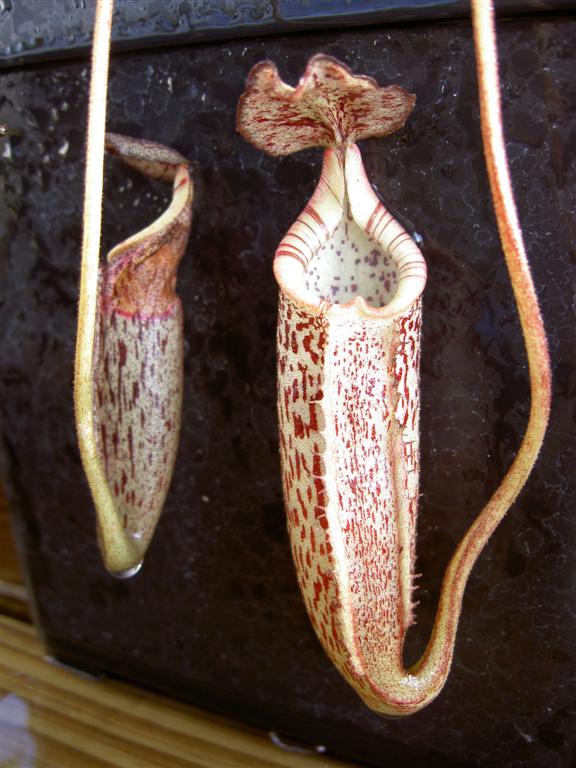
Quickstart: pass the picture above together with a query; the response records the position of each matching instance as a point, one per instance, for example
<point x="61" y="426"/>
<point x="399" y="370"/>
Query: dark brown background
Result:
<point x="215" y="614"/>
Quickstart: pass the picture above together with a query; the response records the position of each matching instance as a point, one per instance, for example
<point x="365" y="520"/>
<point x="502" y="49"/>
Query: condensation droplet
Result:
<point x="128" y="573"/>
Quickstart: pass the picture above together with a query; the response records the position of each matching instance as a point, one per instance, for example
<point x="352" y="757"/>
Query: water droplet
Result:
<point x="128" y="573"/>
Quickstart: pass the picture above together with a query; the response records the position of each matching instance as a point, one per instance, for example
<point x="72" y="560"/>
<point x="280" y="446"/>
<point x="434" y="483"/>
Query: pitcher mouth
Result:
<point x="351" y="265"/>
<point x="346" y="253"/>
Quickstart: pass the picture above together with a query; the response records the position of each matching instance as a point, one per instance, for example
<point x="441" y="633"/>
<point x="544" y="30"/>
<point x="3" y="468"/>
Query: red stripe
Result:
<point x="371" y="219"/>
<point x="311" y="228"/>
<point x="390" y="220"/>
<point x="292" y="255"/>
<point x="311" y="212"/>
<point x="299" y="237"/>
<point x="393" y="244"/>
<point x="284" y="244"/>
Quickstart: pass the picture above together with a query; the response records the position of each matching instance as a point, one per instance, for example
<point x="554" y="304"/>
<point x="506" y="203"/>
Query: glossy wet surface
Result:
<point x="215" y="615"/>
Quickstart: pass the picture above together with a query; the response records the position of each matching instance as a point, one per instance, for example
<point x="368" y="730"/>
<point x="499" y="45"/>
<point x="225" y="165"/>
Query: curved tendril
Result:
<point x="455" y="579"/>
<point x="88" y="299"/>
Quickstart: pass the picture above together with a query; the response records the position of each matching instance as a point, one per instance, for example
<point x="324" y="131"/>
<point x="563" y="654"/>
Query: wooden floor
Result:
<point x="53" y="717"/>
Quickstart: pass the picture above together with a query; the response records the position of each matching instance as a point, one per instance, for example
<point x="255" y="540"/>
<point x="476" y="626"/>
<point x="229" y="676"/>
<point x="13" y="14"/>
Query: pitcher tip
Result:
<point x="128" y="573"/>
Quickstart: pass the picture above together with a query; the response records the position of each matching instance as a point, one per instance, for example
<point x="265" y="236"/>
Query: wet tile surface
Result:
<point x="215" y="615"/>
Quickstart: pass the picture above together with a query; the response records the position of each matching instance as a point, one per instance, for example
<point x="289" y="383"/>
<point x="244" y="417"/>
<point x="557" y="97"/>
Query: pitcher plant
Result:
<point x="129" y="352"/>
<point x="350" y="284"/>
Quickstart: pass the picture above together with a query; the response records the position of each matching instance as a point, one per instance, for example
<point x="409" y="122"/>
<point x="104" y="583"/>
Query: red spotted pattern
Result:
<point x="350" y="493"/>
<point x="301" y="343"/>
<point x="138" y="360"/>
<point x="330" y="106"/>
<point x="138" y="402"/>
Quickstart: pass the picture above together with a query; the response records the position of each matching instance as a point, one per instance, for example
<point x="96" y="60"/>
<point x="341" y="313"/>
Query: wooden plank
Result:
<point x="106" y="723"/>
<point x="154" y="744"/>
<point x="21" y="748"/>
